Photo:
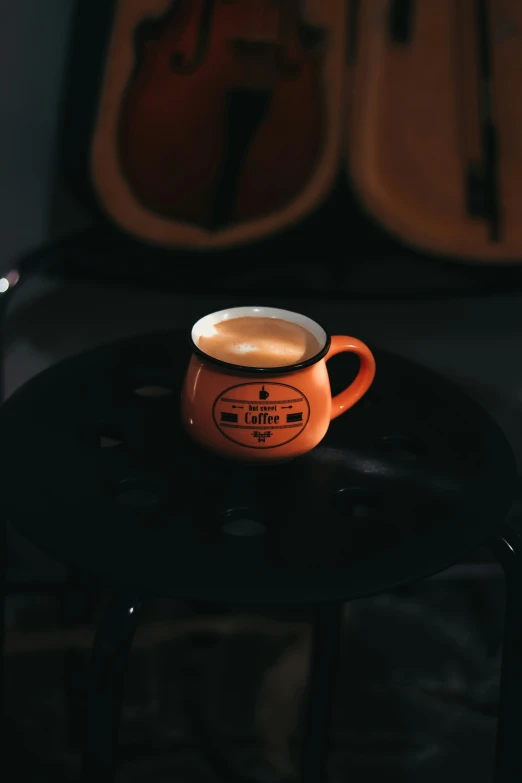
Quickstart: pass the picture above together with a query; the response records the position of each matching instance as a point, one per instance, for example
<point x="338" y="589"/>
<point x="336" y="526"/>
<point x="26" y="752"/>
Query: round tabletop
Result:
<point x="98" y="471"/>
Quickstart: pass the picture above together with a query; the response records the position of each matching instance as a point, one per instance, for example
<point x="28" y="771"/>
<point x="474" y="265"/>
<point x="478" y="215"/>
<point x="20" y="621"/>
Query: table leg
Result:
<point x="108" y="666"/>
<point x="76" y="609"/>
<point x="508" y="764"/>
<point x="3" y="567"/>
<point x="323" y="670"/>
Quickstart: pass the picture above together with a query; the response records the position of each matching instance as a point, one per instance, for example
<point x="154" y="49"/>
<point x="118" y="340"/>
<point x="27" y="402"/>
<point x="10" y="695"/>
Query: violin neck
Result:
<point x="477" y="115"/>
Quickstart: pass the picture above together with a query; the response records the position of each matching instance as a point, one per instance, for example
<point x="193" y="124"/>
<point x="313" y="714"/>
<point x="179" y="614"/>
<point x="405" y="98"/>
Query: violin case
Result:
<point x="378" y="127"/>
<point x="434" y="144"/>
<point x="215" y="123"/>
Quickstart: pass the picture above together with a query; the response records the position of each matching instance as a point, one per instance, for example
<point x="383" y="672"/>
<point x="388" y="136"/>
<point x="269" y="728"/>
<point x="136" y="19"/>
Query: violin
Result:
<point x="222" y="120"/>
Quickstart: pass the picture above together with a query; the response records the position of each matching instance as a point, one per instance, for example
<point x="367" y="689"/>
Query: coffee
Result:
<point x="259" y="342"/>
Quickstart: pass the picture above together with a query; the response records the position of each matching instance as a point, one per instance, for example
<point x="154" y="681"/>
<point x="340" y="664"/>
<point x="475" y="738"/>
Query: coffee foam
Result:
<point x="259" y="342"/>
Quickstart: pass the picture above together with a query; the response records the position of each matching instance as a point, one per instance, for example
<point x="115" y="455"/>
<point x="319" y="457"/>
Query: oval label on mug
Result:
<point x="261" y="415"/>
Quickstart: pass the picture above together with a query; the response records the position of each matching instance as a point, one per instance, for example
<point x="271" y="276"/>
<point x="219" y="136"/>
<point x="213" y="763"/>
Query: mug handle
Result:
<point x="343" y="401"/>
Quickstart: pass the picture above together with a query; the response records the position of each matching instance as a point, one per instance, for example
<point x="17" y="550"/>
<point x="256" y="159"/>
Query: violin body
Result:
<point x="434" y="139"/>
<point x="224" y="104"/>
<point x="218" y="122"/>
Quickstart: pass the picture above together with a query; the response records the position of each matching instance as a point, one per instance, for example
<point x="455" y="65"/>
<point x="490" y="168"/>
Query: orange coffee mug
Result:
<point x="257" y="414"/>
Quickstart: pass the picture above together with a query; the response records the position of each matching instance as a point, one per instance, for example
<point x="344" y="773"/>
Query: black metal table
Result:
<point x="97" y="470"/>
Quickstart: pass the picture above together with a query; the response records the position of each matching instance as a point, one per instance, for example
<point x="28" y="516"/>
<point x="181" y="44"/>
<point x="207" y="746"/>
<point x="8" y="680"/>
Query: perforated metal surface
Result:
<point x="97" y="470"/>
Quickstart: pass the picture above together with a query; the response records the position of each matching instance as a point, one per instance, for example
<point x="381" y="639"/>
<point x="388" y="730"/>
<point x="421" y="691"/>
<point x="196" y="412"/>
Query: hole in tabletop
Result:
<point x="142" y="494"/>
<point x="241" y="522"/>
<point x="370" y="523"/>
<point x="109" y="435"/>
<point x="373" y="400"/>
<point x="404" y="447"/>
<point x="107" y="442"/>
<point x="356" y="502"/>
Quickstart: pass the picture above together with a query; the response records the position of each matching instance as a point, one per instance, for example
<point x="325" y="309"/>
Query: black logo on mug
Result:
<point x="261" y="415"/>
<point x="230" y="417"/>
